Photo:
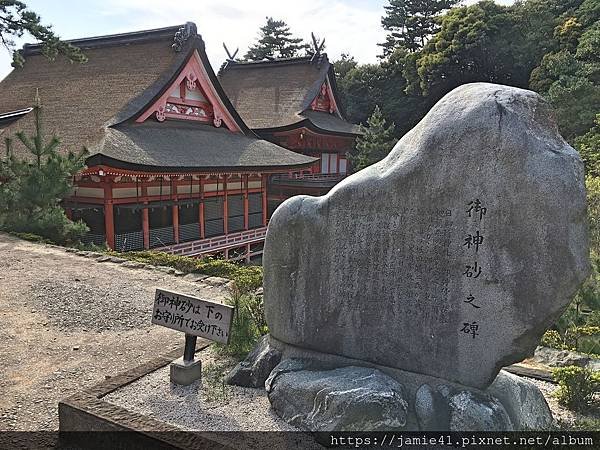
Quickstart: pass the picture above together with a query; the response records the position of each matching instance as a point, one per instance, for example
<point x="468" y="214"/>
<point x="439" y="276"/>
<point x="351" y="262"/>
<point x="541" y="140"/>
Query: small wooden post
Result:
<point x="190" y="348"/>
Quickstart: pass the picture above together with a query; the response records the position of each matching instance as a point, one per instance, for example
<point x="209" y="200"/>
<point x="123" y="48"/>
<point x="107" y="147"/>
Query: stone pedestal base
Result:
<point x="185" y="372"/>
<point x="321" y="392"/>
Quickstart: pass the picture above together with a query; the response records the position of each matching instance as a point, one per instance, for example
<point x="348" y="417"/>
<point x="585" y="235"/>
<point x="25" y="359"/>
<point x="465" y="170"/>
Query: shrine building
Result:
<point x="181" y="160"/>
<point x="293" y="102"/>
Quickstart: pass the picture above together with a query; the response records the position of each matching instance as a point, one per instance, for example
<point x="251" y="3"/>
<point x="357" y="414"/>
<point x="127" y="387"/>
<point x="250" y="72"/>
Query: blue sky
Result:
<point x="349" y="26"/>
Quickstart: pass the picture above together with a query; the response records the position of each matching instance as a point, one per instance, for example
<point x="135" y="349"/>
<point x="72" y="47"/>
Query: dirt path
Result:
<point x="67" y="322"/>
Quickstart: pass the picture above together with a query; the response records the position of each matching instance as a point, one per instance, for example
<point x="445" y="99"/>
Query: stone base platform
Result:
<point x="320" y="392"/>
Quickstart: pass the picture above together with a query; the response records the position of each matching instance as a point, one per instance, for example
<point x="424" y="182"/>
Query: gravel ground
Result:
<point x="563" y="417"/>
<point x="206" y="405"/>
<point x="68" y="321"/>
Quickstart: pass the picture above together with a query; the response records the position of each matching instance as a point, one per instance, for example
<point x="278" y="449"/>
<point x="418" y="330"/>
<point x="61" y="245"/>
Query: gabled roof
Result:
<point x="89" y="104"/>
<point x="142" y="147"/>
<point x="278" y="93"/>
<point x="80" y="99"/>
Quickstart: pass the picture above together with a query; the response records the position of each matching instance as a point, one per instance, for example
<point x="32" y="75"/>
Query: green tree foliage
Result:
<point x="550" y="46"/>
<point x="584" y="310"/>
<point x="375" y="143"/>
<point x="275" y="41"/>
<point x="410" y="23"/>
<point x="588" y="146"/>
<point x="16" y="20"/>
<point x="31" y="191"/>
<point x="344" y="65"/>
<point x="363" y="86"/>
<point x="475" y="43"/>
<point x="569" y="74"/>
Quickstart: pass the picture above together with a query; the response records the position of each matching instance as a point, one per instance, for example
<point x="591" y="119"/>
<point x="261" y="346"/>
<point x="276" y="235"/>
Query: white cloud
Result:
<point x="352" y="27"/>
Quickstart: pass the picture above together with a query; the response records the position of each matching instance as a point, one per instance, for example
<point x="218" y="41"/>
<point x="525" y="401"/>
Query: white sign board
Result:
<point x="192" y="315"/>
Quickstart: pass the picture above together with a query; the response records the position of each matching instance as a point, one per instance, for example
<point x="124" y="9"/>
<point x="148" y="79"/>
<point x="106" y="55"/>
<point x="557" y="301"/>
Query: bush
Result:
<point x="245" y="330"/>
<point x="247" y="278"/>
<point x="182" y="263"/>
<point x="51" y="224"/>
<point x="32" y="188"/>
<point x="577" y="386"/>
<point x="552" y="339"/>
<point x="584" y="339"/>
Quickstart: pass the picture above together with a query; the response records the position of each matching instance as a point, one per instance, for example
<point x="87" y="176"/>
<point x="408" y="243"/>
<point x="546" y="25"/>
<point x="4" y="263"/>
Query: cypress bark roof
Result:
<point x="83" y="104"/>
<point x="278" y="93"/>
<point x="191" y="147"/>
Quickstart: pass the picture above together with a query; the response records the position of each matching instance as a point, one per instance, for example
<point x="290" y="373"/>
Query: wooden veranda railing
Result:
<point x="217" y="243"/>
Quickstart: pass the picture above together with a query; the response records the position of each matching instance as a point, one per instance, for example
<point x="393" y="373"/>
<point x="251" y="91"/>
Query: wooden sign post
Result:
<point x="194" y="317"/>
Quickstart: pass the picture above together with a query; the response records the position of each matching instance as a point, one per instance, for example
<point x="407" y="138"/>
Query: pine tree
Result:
<point x="16" y="20"/>
<point x="275" y="41"/>
<point x="375" y="142"/>
<point x="31" y="191"/>
<point x="411" y="22"/>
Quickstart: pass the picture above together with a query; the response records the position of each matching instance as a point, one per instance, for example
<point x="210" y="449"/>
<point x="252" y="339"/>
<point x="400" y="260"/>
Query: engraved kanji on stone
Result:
<point x="472" y="271"/>
<point x="473" y="240"/>
<point x="470" y="328"/>
<point x="470" y="299"/>
<point x="476" y="208"/>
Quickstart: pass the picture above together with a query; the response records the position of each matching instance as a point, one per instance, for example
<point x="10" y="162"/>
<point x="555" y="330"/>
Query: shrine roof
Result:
<point x="181" y="145"/>
<point x="80" y="99"/>
<point x="278" y="93"/>
<point x="96" y="104"/>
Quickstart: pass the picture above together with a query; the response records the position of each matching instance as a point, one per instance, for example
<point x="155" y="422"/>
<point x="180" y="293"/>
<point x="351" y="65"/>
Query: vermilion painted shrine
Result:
<point x="182" y="159"/>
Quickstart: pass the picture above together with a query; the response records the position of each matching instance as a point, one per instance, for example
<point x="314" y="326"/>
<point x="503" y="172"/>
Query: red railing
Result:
<point x="217" y="243"/>
<point x="309" y="177"/>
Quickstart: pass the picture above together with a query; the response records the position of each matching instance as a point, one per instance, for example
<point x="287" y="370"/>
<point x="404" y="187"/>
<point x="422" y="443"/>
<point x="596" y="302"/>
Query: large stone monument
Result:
<point x="435" y="267"/>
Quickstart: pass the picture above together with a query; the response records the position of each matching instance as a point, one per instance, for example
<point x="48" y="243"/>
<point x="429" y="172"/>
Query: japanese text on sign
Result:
<point x="192" y="315"/>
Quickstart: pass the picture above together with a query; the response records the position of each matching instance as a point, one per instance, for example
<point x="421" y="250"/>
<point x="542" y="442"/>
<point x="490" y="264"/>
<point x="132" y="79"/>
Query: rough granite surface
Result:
<point x="307" y="395"/>
<point x="451" y="256"/>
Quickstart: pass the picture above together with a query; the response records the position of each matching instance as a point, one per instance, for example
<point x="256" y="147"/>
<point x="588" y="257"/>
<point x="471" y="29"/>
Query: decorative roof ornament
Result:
<point x="317" y="47"/>
<point x="183" y="34"/>
<point x="230" y="58"/>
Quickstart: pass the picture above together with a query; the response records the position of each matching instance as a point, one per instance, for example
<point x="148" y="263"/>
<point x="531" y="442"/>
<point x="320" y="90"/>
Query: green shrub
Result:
<point x="31" y="237"/>
<point x="182" y="263"/>
<point x="577" y="386"/>
<point x="552" y="339"/>
<point x="247" y="278"/>
<point x="581" y="424"/>
<point x="34" y="185"/>
<point x="245" y="331"/>
<point x="585" y="339"/>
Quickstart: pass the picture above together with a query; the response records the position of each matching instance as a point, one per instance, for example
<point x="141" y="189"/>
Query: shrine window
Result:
<point x="329" y="163"/>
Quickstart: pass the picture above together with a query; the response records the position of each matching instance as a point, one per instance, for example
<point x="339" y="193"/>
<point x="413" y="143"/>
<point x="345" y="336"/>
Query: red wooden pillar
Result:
<point x="264" y="198"/>
<point x="225" y="209"/>
<point x="146" y="226"/>
<point x="201" y="208"/>
<point x="246" y="221"/>
<point x="145" y="219"/>
<point x="109" y="218"/>
<point x="176" y="223"/>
